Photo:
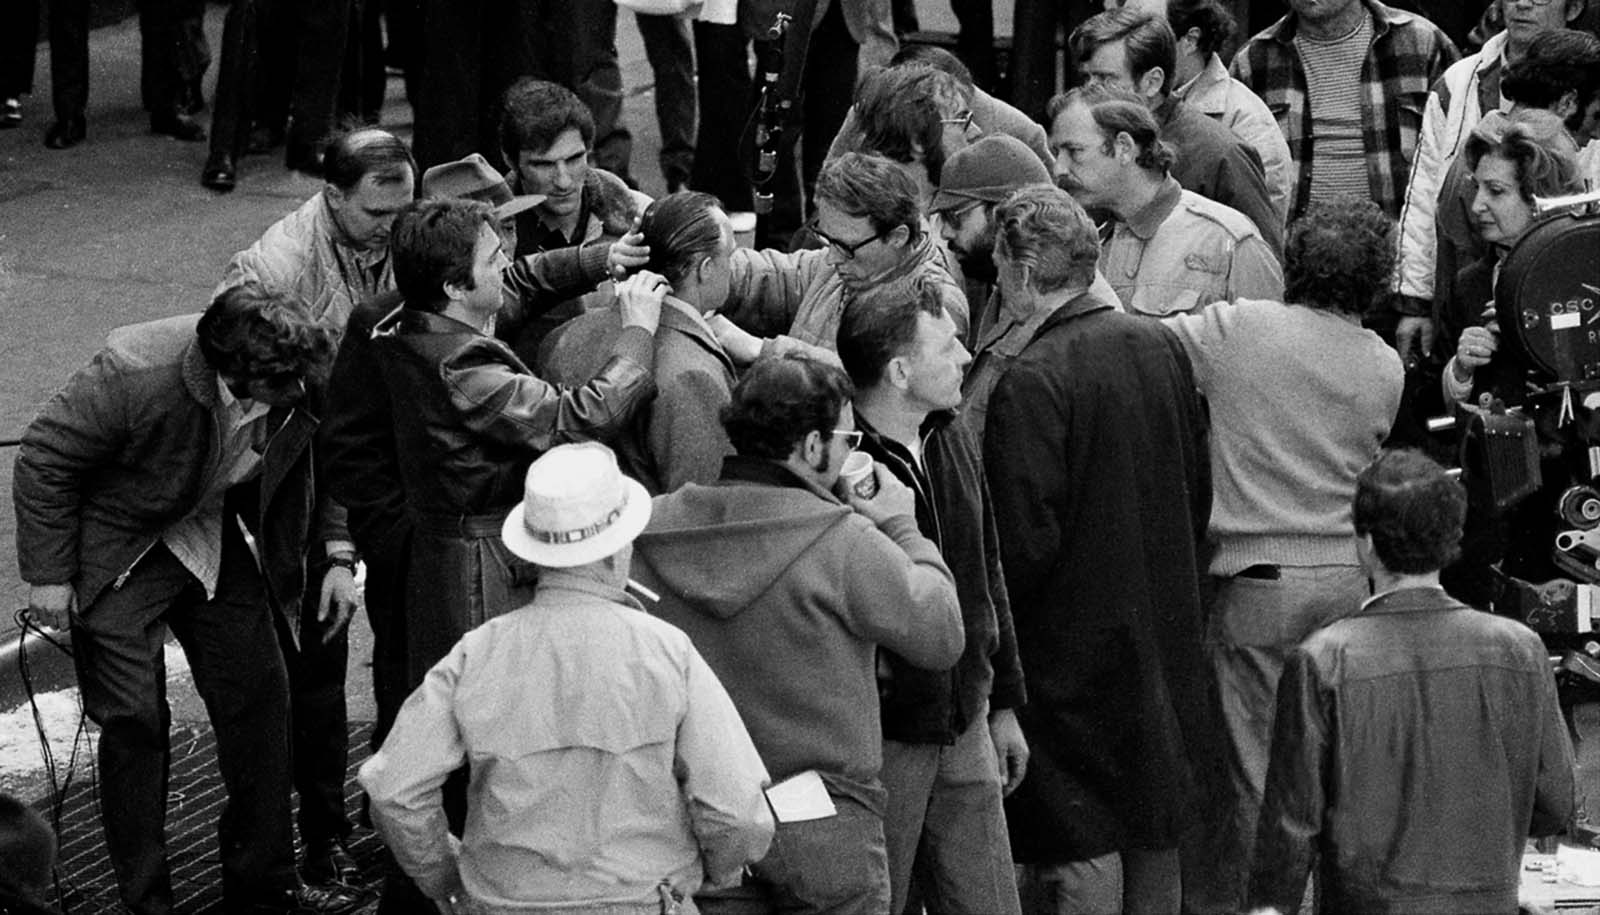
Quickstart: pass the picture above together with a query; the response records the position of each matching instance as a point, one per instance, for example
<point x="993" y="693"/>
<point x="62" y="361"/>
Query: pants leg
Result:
<point x="830" y="84"/>
<point x="908" y="775"/>
<point x="19" y="40"/>
<point x="117" y="650"/>
<point x="449" y="87"/>
<point x="964" y="865"/>
<point x="1150" y="882"/>
<point x="69" y="57"/>
<point x="322" y="36"/>
<point x="172" y="52"/>
<point x="239" y="673"/>
<point x="1253" y="627"/>
<point x="237" y="69"/>
<point x="319" y="724"/>
<point x="668" y="44"/>
<point x="597" y="79"/>
<point x="975" y="41"/>
<point x="385" y="603"/>
<point x="1089" y="887"/>
<point x="723" y="91"/>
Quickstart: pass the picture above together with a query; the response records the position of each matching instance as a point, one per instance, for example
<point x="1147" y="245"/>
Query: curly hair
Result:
<point x="249" y="331"/>
<point x="1116" y="111"/>
<point x="1557" y="62"/>
<point x="780" y="400"/>
<point x="534" y="112"/>
<point x="1412" y="510"/>
<point x="1339" y="255"/>
<point x="432" y="244"/>
<point x="1042" y="227"/>
<point x="874" y="188"/>
<point x="1537" y="145"/>
<point x="1216" y="24"/>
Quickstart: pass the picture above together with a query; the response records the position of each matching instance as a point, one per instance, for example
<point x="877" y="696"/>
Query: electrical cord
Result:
<point x="58" y="789"/>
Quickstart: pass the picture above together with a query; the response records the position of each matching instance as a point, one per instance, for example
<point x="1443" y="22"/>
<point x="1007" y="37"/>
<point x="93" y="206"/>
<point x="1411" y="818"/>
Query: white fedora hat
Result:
<point x="577" y="508"/>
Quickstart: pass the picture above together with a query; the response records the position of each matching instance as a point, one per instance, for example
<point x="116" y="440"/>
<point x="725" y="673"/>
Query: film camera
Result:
<point x="1530" y="446"/>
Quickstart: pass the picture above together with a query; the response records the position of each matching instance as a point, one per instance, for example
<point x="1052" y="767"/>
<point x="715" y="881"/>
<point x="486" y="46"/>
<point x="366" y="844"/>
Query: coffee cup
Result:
<point x="858" y="476"/>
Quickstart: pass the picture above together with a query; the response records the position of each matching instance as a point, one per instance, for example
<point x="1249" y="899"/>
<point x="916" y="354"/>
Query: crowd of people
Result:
<point x="1032" y="533"/>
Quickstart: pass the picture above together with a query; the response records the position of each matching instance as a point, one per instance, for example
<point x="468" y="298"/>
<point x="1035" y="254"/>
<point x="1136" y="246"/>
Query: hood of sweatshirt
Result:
<point x="719" y="548"/>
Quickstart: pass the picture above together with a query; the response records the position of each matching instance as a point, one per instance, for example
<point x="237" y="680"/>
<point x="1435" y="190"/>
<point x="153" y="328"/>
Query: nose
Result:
<point x="965" y="358"/>
<point x="1480" y="204"/>
<point x="563" y="177"/>
<point x="947" y="227"/>
<point x="1061" y="166"/>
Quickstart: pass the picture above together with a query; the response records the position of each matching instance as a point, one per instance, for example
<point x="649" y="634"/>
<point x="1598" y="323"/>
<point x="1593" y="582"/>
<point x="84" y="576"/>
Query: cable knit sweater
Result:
<point x="1301" y="400"/>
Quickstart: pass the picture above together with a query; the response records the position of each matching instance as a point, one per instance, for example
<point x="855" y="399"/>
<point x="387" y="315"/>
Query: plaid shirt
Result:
<point x="1408" y="53"/>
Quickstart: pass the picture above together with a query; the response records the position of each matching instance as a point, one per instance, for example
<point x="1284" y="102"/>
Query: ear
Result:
<point x="334" y="194"/>
<point x="1124" y="146"/>
<point x="454" y="292"/>
<point x="1150" y="82"/>
<point x="900" y="236"/>
<point x="895" y="372"/>
<point x="1193" y="37"/>
<point x="811" y="447"/>
<point x="1575" y="9"/>
<point x="1567" y="105"/>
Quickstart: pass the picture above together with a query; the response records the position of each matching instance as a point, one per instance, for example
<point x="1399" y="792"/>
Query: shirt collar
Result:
<point x="238" y="410"/>
<point x="1148" y="220"/>
<point x="1381" y="602"/>
<point x="552" y="579"/>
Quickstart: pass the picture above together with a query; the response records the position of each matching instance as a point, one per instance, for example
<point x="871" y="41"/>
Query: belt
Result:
<point x="441" y="524"/>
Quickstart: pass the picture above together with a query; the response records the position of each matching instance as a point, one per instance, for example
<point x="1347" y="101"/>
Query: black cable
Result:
<point x="58" y="791"/>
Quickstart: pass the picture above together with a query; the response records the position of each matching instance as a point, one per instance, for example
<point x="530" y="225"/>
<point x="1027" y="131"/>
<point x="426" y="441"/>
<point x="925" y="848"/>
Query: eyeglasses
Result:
<point x="1530" y="2"/>
<point x="852" y="437"/>
<point x="847" y="249"/>
<point x="963" y="119"/>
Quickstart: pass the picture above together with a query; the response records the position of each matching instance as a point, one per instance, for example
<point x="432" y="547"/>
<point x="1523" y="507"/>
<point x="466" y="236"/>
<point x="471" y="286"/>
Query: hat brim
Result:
<point x="945" y="201"/>
<point x="633" y="519"/>
<point x="517" y="205"/>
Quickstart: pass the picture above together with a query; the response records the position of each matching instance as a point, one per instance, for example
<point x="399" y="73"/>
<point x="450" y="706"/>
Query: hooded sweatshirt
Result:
<point x="786" y="592"/>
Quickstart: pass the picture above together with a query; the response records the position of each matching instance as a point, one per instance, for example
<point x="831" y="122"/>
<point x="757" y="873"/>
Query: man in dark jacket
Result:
<point x="130" y="487"/>
<point x="1095" y="449"/>
<point x="475" y="416"/>
<point x="946" y="762"/>
<point x="1418" y="743"/>
<point x="785" y="591"/>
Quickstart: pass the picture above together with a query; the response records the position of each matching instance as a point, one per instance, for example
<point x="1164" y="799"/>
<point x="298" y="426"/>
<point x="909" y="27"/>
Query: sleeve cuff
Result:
<point x="592" y="260"/>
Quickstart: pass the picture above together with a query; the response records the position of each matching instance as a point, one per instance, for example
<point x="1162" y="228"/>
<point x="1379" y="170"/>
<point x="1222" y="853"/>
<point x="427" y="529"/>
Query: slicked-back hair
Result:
<point x="1339" y="255"/>
<point x="534" y="112"/>
<point x="937" y="58"/>
<point x="1120" y="111"/>
<point x="1216" y="24"/>
<point x="780" y="400"/>
<point x="1042" y="227"/>
<point x="681" y="231"/>
<point x="1412" y="510"/>
<point x="355" y="154"/>
<point x="898" y="109"/>
<point x="873" y="332"/>
<point x="872" y="187"/>
<point x="1147" y="37"/>
<point x="250" y="331"/>
<point x="1537" y="145"/>
<point x="1557" y="61"/>
<point x="433" y="243"/>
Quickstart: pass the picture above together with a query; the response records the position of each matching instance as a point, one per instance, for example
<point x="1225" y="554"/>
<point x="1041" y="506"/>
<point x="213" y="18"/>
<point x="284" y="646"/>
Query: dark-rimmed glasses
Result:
<point x="846" y="249"/>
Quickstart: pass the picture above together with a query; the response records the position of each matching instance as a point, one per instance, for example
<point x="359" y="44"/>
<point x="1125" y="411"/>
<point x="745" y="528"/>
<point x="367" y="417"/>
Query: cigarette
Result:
<point x="644" y="592"/>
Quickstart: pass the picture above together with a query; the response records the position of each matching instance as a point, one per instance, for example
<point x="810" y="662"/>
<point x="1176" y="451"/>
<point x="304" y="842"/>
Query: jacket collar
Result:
<point x="1384" y="18"/>
<point x="737" y="468"/>
<point x="407" y="320"/>
<point x="1207" y="93"/>
<point x="1412" y="600"/>
<point x="1148" y="220"/>
<point x="682" y="317"/>
<point x="199" y="377"/>
<point x="551" y="579"/>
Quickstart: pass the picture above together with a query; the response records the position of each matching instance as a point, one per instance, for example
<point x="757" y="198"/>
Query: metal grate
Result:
<point x="193" y="806"/>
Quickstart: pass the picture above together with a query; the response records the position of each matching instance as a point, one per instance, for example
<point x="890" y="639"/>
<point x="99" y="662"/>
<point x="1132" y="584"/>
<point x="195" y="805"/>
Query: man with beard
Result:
<point x="974" y="180"/>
